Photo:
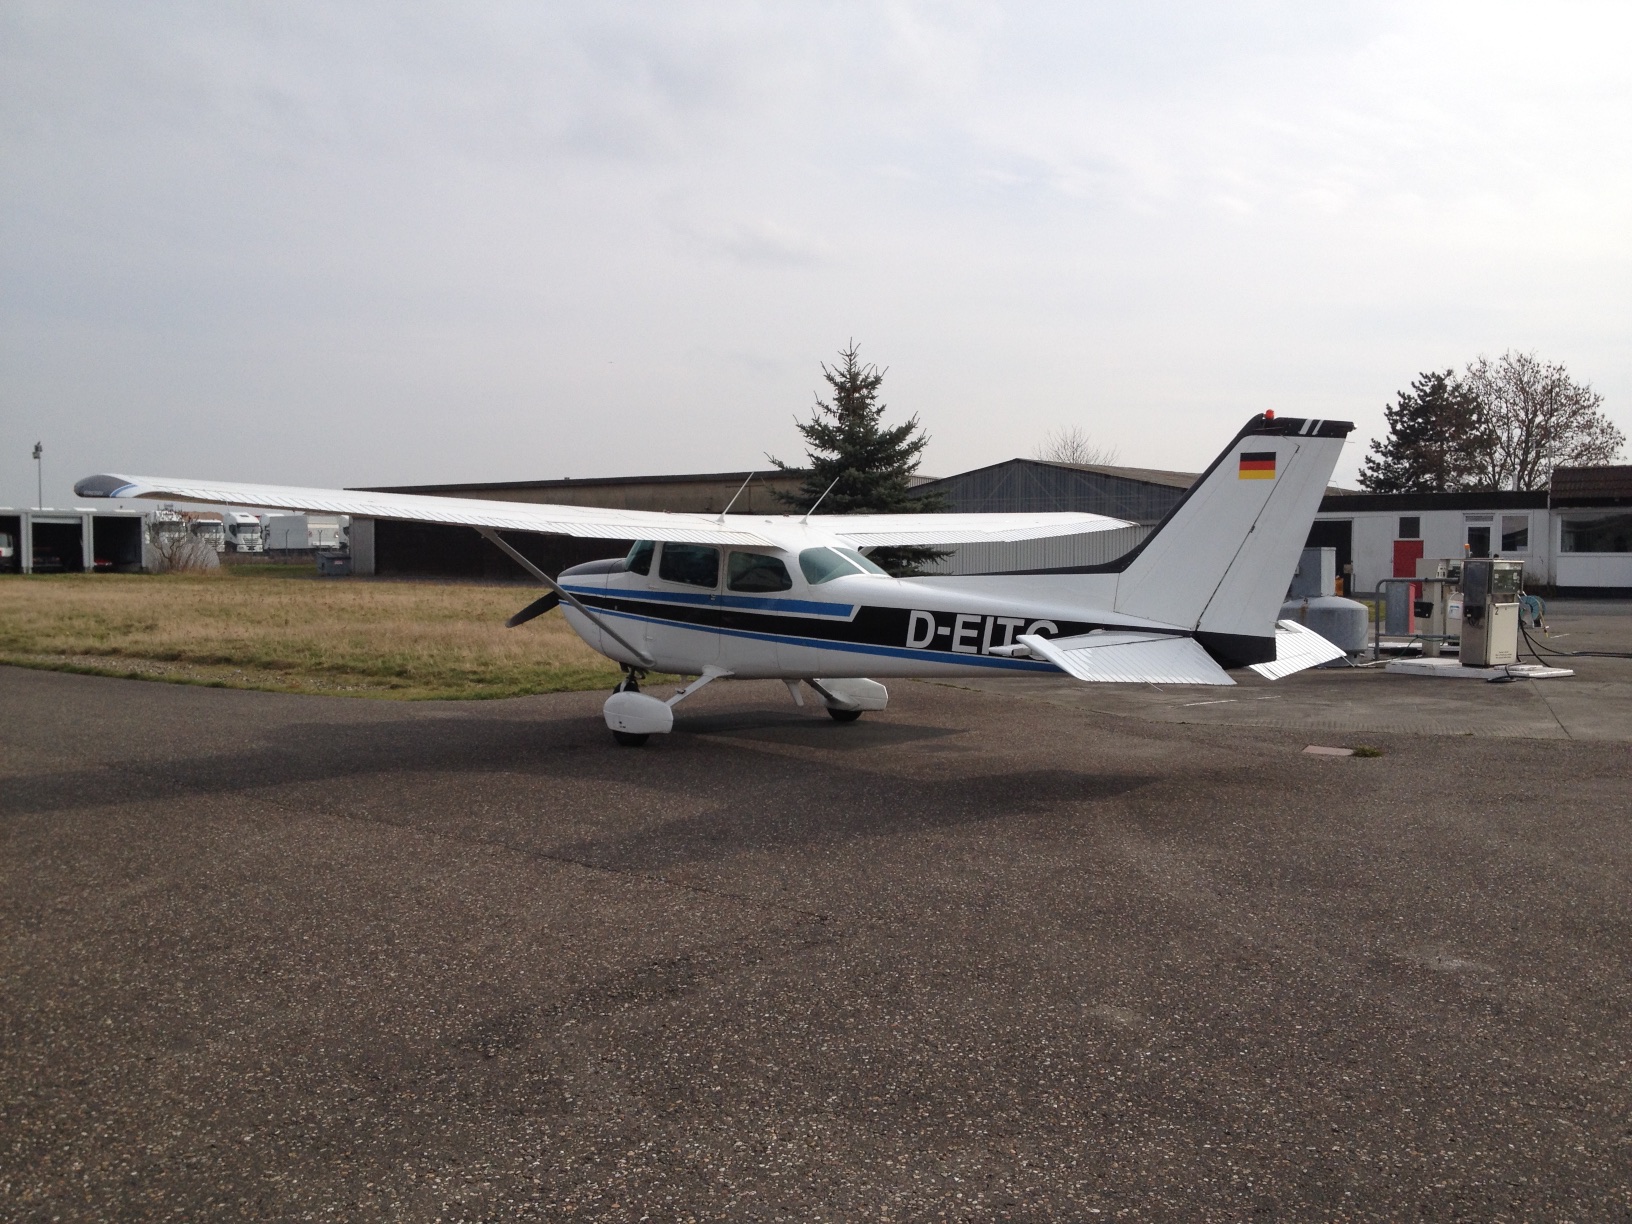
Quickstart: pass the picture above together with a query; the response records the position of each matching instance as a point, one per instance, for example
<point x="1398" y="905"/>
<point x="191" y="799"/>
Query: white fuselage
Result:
<point x="815" y="623"/>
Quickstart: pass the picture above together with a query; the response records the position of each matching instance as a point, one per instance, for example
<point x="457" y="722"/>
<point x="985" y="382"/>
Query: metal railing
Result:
<point x="1431" y="642"/>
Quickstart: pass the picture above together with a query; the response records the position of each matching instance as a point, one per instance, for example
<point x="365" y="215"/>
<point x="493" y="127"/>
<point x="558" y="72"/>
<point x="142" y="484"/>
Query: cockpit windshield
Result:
<point x="862" y="561"/>
<point x="821" y="565"/>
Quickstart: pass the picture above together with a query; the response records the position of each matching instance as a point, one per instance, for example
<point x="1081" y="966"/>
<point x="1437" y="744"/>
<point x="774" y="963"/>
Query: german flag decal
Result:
<point x="1257" y="465"/>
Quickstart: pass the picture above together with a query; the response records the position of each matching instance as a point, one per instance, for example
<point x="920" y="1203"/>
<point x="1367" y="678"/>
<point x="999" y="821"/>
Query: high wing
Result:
<point x="593" y="522"/>
<point x="588" y="522"/>
<point x="879" y="530"/>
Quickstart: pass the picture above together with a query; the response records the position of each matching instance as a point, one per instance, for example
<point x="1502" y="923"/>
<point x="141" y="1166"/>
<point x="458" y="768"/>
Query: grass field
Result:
<point x="283" y="629"/>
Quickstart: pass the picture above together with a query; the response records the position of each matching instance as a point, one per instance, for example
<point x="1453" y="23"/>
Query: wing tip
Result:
<point x="106" y="485"/>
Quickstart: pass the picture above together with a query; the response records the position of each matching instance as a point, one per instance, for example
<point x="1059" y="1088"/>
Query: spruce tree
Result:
<point x="866" y="463"/>
<point x="1435" y="436"/>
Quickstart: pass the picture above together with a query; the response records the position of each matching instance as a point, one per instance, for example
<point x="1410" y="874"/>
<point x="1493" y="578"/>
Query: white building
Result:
<point x="1575" y="537"/>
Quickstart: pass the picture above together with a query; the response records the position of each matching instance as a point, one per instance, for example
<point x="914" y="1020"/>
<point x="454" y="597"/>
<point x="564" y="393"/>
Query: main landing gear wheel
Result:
<point x="630" y="739"/>
<point x="838" y="715"/>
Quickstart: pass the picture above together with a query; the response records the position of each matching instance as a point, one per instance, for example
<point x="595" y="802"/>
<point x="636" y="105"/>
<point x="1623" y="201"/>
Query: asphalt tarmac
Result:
<point x="984" y="956"/>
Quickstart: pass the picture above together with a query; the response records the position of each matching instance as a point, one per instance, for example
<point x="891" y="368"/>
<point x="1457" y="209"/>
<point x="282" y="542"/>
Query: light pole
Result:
<point x="39" y="477"/>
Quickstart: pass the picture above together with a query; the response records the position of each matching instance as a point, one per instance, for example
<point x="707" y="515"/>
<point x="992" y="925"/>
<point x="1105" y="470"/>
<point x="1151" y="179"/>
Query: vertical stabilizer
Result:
<point x="1221" y="561"/>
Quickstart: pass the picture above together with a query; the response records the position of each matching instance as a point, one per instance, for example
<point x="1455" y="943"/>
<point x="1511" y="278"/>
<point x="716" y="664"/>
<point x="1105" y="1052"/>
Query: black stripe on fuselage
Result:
<point x="951" y="633"/>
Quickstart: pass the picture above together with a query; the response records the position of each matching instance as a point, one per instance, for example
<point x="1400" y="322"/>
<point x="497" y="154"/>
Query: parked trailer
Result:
<point x="305" y="532"/>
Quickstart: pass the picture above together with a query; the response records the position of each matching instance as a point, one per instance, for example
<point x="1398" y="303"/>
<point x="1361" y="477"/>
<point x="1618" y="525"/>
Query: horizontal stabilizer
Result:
<point x="1110" y="656"/>
<point x="1296" y="647"/>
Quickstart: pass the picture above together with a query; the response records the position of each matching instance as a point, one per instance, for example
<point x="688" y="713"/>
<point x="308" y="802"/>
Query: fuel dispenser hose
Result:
<point x="1537" y="612"/>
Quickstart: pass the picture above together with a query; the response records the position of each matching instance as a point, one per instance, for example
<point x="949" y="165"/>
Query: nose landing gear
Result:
<point x="634" y="717"/>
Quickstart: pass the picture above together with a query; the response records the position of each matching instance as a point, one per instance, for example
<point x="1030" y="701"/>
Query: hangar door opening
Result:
<point x="58" y="544"/>
<point x="1338" y="534"/>
<point x="116" y="544"/>
<point x="11" y="543"/>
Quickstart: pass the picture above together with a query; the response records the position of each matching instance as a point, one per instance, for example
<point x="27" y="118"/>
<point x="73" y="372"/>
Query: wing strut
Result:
<point x="494" y="537"/>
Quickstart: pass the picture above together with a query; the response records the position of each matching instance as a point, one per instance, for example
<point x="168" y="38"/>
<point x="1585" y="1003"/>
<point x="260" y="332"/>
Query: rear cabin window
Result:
<point x="692" y="564"/>
<point x="639" y="560"/>
<point x="752" y="572"/>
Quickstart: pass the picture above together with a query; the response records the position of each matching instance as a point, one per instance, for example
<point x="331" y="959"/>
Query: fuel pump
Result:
<point x="1490" y="611"/>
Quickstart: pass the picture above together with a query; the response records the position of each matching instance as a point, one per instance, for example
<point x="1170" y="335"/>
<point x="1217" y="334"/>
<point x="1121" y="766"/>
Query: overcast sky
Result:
<point x="389" y="243"/>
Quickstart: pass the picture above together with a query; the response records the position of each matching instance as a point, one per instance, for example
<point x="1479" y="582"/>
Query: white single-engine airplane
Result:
<point x="794" y="598"/>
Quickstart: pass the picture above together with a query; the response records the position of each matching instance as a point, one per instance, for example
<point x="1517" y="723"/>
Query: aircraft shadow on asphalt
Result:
<point x="811" y="728"/>
<point x="782" y="799"/>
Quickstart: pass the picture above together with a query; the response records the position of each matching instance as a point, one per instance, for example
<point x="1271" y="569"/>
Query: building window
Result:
<point x="1612" y="534"/>
<point x="1515" y="533"/>
<point x="1411" y="528"/>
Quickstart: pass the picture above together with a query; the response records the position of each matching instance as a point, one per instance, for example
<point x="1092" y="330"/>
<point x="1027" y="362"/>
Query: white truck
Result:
<point x="244" y="532"/>
<point x="209" y="527"/>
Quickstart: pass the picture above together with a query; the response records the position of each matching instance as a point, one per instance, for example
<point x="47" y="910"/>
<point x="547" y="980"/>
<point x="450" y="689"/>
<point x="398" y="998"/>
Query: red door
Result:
<point x="1406" y="555"/>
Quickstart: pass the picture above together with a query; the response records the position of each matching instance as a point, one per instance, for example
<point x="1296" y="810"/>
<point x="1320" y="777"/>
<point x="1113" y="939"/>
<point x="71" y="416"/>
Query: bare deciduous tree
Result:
<point x="178" y="551"/>
<point x="1070" y="444"/>
<point x="1534" y="418"/>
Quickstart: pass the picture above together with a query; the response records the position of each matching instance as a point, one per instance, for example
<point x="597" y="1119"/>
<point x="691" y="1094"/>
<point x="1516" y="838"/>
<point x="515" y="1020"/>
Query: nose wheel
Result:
<point x="629" y="739"/>
<point x="634" y="717"/>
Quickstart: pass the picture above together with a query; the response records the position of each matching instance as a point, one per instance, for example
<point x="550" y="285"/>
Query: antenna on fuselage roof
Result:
<point x="819" y="500"/>
<point x="734" y="497"/>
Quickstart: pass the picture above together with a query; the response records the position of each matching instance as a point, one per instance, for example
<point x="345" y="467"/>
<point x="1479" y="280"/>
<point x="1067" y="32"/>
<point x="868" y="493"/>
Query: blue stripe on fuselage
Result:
<point x="807" y="607"/>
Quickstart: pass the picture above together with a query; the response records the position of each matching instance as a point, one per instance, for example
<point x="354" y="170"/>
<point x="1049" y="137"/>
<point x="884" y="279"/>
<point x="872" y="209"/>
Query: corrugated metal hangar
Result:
<point x="1574" y="537"/>
<point x="402" y="549"/>
<point x="1140" y="495"/>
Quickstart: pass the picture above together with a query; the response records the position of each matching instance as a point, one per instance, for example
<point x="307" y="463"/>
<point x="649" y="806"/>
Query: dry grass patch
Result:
<point x="264" y="628"/>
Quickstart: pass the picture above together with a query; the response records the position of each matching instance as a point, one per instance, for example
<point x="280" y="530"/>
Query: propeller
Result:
<point x="537" y="608"/>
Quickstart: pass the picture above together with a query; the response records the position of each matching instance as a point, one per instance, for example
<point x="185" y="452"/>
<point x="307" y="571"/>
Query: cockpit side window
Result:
<point x="756" y="572"/>
<point x="821" y="565"/>
<point x="639" y="560"/>
<point x="692" y="564"/>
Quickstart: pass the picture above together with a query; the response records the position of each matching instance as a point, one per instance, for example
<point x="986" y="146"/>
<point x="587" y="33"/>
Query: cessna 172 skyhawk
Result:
<point x="795" y="598"/>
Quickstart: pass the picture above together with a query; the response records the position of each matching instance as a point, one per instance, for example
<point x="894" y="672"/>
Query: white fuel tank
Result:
<point x="1345" y="623"/>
